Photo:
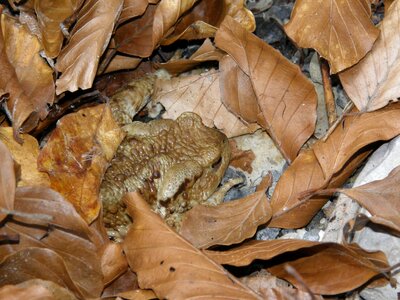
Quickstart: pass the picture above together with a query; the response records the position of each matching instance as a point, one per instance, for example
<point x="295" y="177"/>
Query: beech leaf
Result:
<point x="28" y="291"/>
<point x="325" y="268"/>
<point x="171" y="266"/>
<point x="77" y="155"/>
<point x="374" y="81"/>
<point x="7" y="180"/>
<point x="132" y="9"/>
<point x="26" y="76"/>
<point x="203" y="20"/>
<point x="141" y="36"/>
<point x="79" y="59"/>
<point x="50" y="17"/>
<point x="380" y="198"/>
<point x="26" y="156"/>
<point x="68" y="244"/>
<point x="328" y="164"/>
<point x="286" y="97"/>
<point x="341" y="31"/>
<point x="199" y="94"/>
<point x="228" y="223"/>
<point x="206" y="52"/>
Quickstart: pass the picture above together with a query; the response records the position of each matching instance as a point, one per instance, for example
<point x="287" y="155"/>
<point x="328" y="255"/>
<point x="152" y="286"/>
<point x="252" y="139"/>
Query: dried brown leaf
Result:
<point x="27" y="77"/>
<point x="204" y="18"/>
<point x="79" y="59"/>
<point x="52" y="289"/>
<point x="286" y="97"/>
<point x="125" y="283"/>
<point x="7" y="180"/>
<point x="328" y="164"/>
<point x="113" y="262"/>
<point x="341" y="31"/>
<point x="270" y="288"/>
<point x="66" y="249"/>
<point x="241" y="159"/>
<point x="237" y="92"/>
<point x="33" y="292"/>
<point x="374" y="81"/>
<point x="132" y="9"/>
<point x="380" y="198"/>
<point x="26" y="156"/>
<point x="199" y="94"/>
<point x="50" y="16"/>
<point x="121" y="62"/>
<point x="326" y="268"/>
<point x="206" y="52"/>
<point x="142" y="35"/>
<point x="77" y="155"/>
<point x="228" y="223"/>
<point x="170" y="265"/>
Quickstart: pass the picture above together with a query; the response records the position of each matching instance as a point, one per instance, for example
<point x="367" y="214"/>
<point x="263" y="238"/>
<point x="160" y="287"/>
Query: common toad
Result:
<point x="175" y="165"/>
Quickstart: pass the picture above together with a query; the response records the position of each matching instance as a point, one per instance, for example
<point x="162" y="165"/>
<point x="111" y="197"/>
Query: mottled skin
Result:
<point x="173" y="164"/>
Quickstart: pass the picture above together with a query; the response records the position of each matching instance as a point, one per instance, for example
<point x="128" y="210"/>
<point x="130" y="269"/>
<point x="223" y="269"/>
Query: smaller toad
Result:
<point x="175" y="165"/>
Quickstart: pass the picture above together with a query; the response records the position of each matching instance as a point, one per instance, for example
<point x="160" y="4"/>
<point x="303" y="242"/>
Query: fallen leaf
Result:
<point x="328" y="164"/>
<point x="42" y="289"/>
<point x="50" y="17"/>
<point x="7" y="180"/>
<point x="286" y="97"/>
<point x="373" y="82"/>
<point x="228" y="223"/>
<point x="113" y="262"/>
<point x="26" y="156"/>
<point x="380" y="198"/>
<point x="170" y="265"/>
<point x="199" y="94"/>
<point x="206" y="52"/>
<point x="27" y="77"/>
<point x="79" y="59"/>
<point x="121" y="62"/>
<point x="33" y="292"/>
<point x="125" y="283"/>
<point x="203" y="20"/>
<point x="65" y="254"/>
<point x="132" y="9"/>
<point x="241" y="159"/>
<point x="77" y="155"/>
<point x="325" y="268"/>
<point x="33" y="263"/>
<point x="268" y="286"/>
<point x="141" y="36"/>
<point x="237" y="92"/>
<point x="341" y="31"/>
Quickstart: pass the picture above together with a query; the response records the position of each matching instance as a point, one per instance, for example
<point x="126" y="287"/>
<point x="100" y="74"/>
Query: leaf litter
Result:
<point x="53" y="238"/>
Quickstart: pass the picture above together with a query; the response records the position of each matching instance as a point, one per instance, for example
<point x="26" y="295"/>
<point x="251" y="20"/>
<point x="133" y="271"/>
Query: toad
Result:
<point x="175" y="165"/>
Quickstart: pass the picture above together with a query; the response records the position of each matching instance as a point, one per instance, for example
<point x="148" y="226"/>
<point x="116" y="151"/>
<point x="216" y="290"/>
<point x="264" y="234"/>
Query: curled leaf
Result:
<point x="79" y="59"/>
<point x="142" y="35"/>
<point x="27" y="78"/>
<point x="50" y="17"/>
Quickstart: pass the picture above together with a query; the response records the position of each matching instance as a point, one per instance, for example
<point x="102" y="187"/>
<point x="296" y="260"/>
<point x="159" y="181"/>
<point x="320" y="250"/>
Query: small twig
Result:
<point x="349" y="106"/>
<point x="292" y="271"/>
<point x="328" y="93"/>
<point x="11" y="3"/>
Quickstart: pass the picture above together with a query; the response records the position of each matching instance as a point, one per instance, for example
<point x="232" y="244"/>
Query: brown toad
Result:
<point x="173" y="164"/>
